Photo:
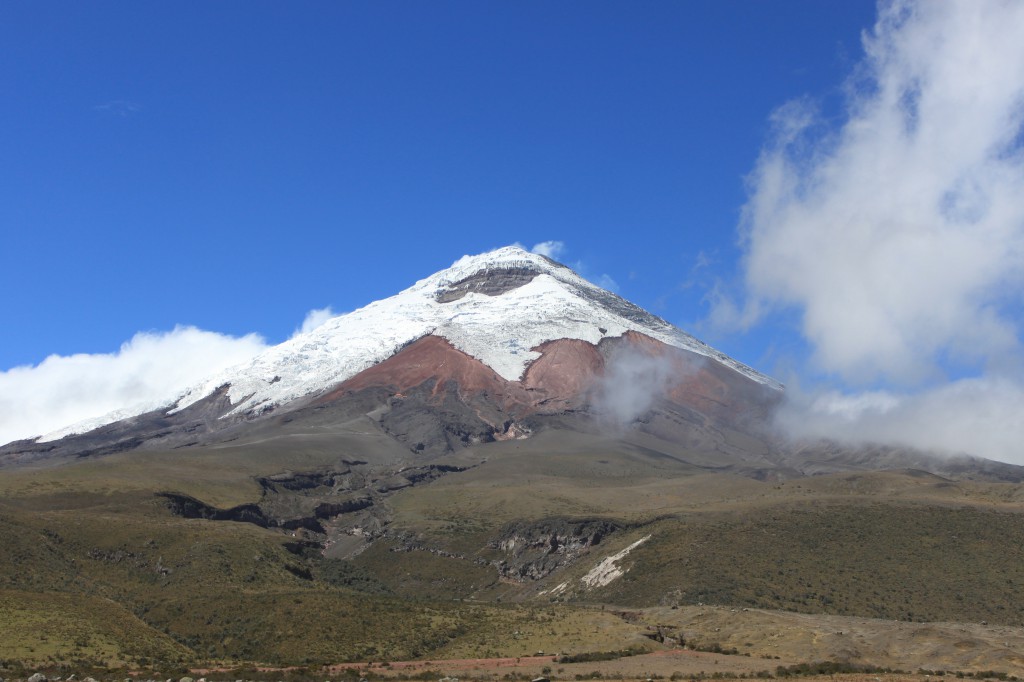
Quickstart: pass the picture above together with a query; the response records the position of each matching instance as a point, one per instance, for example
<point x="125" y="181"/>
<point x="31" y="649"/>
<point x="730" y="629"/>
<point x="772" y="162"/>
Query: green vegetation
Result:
<point x="96" y="570"/>
<point x="895" y="561"/>
<point x="831" y="668"/>
<point x="88" y="631"/>
<point x="120" y="581"/>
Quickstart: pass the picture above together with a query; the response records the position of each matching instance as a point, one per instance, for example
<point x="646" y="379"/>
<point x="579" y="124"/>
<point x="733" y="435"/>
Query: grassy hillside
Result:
<point x="96" y="567"/>
<point x="893" y="561"/>
<point x="42" y="628"/>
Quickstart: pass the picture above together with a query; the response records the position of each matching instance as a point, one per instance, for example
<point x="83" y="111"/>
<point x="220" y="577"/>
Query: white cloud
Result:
<point x="552" y="249"/>
<point x="149" y="368"/>
<point x="315" y="318"/>
<point x="900" y="236"/>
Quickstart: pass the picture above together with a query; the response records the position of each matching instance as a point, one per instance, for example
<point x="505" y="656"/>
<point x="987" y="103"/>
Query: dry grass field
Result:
<point x="888" y="569"/>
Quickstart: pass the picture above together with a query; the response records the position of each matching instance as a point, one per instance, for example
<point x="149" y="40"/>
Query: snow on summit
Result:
<point x="496" y="307"/>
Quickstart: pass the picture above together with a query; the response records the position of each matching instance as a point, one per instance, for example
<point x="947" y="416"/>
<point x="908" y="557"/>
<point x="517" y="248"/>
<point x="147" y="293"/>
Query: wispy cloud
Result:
<point x="605" y="281"/>
<point x="552" y="249"/>
<point x="899" y="234"/>
<point x="633" y="382"/>
<point x="118" y="107"/>
<point x="151" y="367"/>
<point x="315" y="318"/>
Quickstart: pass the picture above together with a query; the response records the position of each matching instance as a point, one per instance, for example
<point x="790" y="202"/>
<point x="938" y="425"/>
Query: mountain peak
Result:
<point x="504" y="256"/>
<point x="495" y="273"/>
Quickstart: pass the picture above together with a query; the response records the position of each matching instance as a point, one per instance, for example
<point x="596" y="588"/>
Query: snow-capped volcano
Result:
<point x="497" y="307"/>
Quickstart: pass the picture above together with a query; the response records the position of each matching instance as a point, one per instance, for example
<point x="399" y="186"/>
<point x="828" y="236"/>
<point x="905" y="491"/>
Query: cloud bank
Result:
<point x="63" y="390"/>
<point x="980" y="416"/>
<point x="898" y="234"/>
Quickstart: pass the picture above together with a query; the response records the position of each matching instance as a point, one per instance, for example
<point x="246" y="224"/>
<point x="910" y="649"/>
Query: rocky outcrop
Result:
<point x="328" y="510"/>
<point x="434" y="421"/>
<point x="191" y="508"/>
<point x="536" y="549"/>
<point x="318" y="506"/>
<point x="309" y="480"/>
<point x="490" y="282"/>
<point x="563" y="376"/>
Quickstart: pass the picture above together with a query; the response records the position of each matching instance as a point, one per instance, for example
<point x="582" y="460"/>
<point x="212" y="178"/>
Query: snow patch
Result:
<point x="609" y="570"/>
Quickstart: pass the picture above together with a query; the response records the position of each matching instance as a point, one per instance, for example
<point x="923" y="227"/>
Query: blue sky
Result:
<point x="232" y="166"/>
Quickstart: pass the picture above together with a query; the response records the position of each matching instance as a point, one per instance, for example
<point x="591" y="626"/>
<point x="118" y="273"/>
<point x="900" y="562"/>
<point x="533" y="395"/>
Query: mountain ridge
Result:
<point x="497" y="307"/>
